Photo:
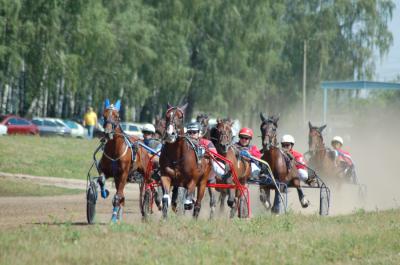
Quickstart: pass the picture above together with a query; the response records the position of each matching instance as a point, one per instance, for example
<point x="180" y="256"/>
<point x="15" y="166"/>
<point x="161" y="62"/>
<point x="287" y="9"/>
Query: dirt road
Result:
<point x="17" y="211"/>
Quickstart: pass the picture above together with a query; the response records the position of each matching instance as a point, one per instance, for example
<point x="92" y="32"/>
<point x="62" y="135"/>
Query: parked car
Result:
<point x="132" y="129"/>
<point x="18" y="125"/>
<point x="77" y="130"/>
<point x="51" y="127"/>
<point x="3" y="129"/>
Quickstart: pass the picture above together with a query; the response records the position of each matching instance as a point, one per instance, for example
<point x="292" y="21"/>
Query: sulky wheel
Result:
<point x="91" y="198"/>
<point x="147" y="204"/>
<point x="243" y="209"/>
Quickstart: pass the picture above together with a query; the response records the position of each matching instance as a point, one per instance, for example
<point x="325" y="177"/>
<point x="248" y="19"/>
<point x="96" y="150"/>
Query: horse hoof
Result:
<point x="231" y="203"/>
<point x="105" y="193"/>
<point x="114" y="219"/>
<point x="305" y="203"/>
<point x="267" y="205"/>
<point x="189" y="206"/>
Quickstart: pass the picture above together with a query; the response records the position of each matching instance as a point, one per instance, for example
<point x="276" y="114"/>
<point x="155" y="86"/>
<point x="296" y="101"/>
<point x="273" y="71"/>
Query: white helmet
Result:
<point x="149" y="128"/>
<point x="338" y="139"/>
<point x="287" y="138"/>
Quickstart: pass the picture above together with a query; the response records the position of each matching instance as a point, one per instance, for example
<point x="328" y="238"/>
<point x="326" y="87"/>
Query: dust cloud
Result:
<point x="373" y="139"/>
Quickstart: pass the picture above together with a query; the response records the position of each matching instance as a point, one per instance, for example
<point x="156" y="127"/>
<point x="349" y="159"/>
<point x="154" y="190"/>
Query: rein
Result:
<point x="128" y="145"/>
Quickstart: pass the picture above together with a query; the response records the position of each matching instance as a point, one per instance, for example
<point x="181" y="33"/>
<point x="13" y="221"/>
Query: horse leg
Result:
<point x="157" y="197"/>
<point x="231" y="193"/>
<point x="175" y="190"/>
<point x="213" y="203"/>
<point x="265" y="195"/>
<point x="200" y="194"/>
<point x="102" y="183"/>
<point x="222" y="196"/>
<point x="302" y="198"/>
<point x="166" y="200"/>
<point x="190" y="194"/>
<point x="118" y="201"/>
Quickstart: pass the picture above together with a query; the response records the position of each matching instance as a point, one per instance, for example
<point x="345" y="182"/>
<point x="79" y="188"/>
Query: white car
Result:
<point x="77" y="130"/>
<point x="132" y="129"/>
<point x="3" y="129"/>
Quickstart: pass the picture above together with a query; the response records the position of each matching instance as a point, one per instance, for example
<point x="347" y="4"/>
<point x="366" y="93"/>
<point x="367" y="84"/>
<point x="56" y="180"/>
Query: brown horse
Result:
<point x="179" y="164"/>
<point x="276" y="159"/>
<point x="118" y="157"/>
<point x="320" y="158"/>
<point x="222" y="136"/>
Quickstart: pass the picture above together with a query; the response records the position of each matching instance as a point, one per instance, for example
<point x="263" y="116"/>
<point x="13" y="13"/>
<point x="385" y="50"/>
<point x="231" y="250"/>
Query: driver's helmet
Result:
<point x="287" y="138"/>
<point x="246" y="132"/>
<point x="193" y="127"/>
<point x="149" y="128"/>
<point x="337" y="139"/>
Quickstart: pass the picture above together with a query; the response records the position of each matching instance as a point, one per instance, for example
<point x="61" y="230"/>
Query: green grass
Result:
<point x="46" y="156"/>
<point x="17" y="187"/>
<point x="361" y="238"/>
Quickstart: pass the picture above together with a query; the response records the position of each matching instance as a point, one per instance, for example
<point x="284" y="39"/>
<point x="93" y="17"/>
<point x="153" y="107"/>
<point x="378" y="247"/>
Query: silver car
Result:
<point x="51" y="127"/>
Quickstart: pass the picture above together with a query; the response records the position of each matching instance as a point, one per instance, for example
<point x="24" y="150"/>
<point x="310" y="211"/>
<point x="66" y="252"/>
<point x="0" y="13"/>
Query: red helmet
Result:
<point x="246" y="132"/>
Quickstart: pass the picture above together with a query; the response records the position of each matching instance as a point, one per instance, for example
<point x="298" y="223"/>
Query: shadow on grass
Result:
<point x="69" y="223"/>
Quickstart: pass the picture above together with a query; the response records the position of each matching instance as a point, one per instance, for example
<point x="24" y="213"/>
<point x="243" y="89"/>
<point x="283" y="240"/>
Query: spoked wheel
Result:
<point x="243" y="208"/>
<point x="180" y="208"/>
<point x="147" y="198"/>
<point x="91" y="198"/>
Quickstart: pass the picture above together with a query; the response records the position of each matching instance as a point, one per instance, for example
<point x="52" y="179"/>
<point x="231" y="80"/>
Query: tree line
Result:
<point x="240" y="56"/>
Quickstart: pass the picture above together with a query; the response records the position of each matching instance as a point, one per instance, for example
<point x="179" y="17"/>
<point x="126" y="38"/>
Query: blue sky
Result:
<point x="389" y="67"/>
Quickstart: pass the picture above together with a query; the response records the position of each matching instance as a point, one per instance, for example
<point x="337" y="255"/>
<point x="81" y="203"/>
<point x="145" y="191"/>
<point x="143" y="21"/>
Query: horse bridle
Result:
<point x="172" y="135"/>
<point x="114" y="121"/>
<point x="269" y="132"/>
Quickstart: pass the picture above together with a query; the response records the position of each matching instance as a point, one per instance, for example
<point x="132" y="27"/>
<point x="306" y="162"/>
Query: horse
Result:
<point x="118" y="157"/>
<point x="221" y="135"/>
<point x="320" y="158"/>
<point x="160" y="127"/>
<point x="180" y="165"/>
<point x="203" y="120"/>
<point x="282" y="171"/>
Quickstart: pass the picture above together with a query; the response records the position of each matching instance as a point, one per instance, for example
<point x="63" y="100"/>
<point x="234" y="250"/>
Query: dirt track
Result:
<point x="17" y="211"/>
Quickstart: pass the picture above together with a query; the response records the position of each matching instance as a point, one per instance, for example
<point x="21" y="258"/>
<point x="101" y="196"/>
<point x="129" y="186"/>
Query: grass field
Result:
<point x="18" y="187"/>
<point x="358" y="238"/>
<point x="361" y="238"/>
<point x="46" y="156"/>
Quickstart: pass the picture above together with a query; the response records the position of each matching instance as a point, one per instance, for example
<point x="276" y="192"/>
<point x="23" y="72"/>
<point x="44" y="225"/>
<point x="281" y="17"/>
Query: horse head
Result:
<point x="111" y="118"/>
<point x="223" y="135"/>
<point x="174" y="123"/>
<point x="315" y="140"/>
<point x="268" y="130"/>
<point x="203" y="120"/>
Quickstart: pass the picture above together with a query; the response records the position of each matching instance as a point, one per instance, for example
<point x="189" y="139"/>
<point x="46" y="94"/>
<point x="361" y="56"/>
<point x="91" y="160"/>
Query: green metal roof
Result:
<point x="358" y="85"/>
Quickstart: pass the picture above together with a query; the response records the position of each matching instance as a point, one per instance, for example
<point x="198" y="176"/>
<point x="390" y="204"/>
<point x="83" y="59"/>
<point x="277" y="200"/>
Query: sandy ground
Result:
<point x="22" y="211"/>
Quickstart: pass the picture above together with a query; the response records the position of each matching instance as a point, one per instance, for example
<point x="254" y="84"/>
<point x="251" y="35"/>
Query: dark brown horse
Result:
<point x="118" y="156"/>
<point x="320" y="158"/>
<point x="160" y="127"/>
<point x="222" y="136"/>
<point x="179" y="164"/>
<point x="283" y="172"/>
<point x="203" y="120"/>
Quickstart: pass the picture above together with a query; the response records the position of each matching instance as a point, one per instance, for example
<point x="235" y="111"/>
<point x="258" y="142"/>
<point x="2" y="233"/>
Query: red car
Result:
<point x="18" y="125"/>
